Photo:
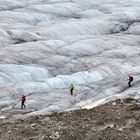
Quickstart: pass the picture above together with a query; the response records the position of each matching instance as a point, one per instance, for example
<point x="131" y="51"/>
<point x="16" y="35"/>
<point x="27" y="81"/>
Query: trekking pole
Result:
<point x="13" y="106"/>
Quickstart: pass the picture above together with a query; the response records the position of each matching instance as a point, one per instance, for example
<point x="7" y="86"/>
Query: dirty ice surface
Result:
<point x="47" y="45"/>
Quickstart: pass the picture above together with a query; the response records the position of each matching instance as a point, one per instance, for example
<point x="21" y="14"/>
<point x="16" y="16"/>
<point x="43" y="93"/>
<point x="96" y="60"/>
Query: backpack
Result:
<point x="23" y="98"/>
<point x="131" y="78"/>
<point x="72" y="87"/>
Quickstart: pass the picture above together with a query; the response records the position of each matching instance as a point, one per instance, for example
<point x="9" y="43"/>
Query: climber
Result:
<point x="71" y="89"/>
<point x="23" y="100"/>
<point x="130" y="80"/>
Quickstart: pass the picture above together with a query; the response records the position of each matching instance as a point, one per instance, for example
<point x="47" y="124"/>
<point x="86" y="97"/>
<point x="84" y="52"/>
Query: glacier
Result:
<point x="47" y="45"/>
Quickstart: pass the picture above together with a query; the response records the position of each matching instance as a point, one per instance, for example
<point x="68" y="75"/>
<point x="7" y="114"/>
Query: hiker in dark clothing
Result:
<point x="23" y="100"/>
<point x="130" y="80"/>
<point x="71" y="89"/>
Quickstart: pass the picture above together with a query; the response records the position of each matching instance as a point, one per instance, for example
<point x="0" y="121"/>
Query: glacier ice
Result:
<point x="47" y="45"/>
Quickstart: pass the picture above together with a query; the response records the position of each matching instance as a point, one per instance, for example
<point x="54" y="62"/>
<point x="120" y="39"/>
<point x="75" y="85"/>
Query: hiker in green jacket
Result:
<point x="71" y="89"/>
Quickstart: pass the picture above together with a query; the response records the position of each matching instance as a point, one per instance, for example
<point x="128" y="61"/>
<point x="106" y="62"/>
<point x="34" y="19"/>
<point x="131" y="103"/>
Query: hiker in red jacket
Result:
<point x="23" y="100"/>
